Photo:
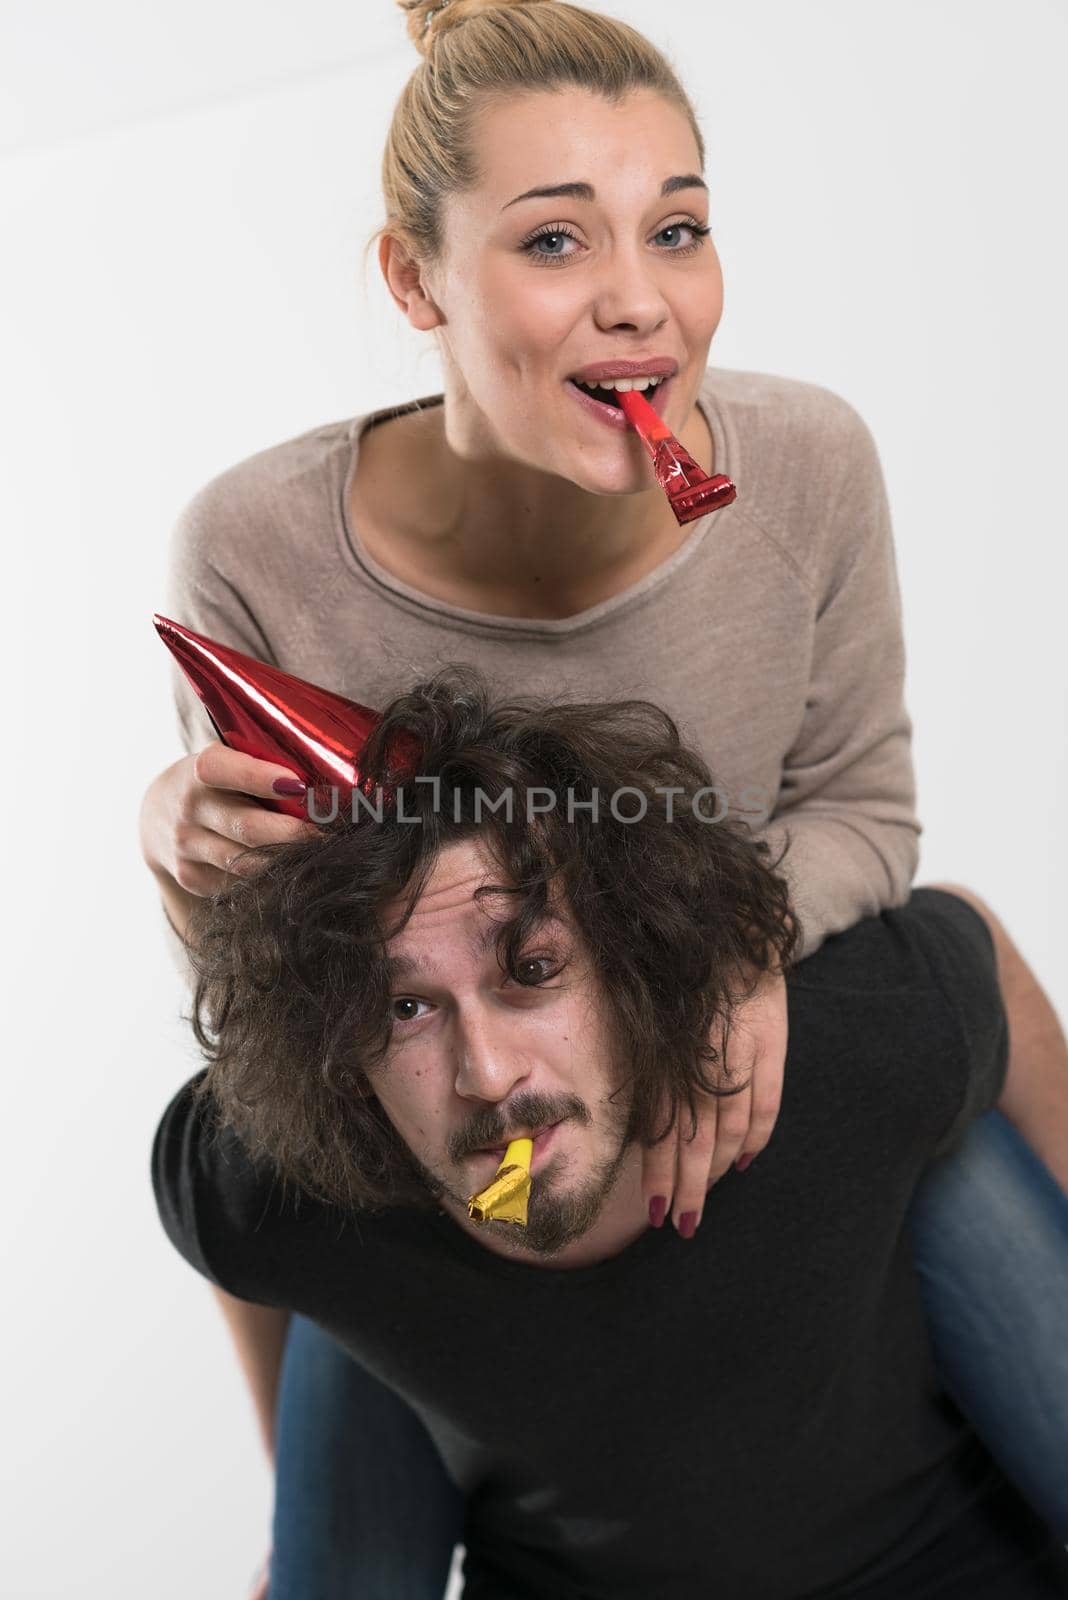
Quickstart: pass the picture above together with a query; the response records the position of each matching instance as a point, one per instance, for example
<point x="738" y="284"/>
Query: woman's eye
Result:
<point x="558" y="232"/>
<point x="530" y="246"/>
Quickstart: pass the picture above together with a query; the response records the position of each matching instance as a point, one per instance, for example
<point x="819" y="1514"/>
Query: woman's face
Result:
<point x="531" y="290"/>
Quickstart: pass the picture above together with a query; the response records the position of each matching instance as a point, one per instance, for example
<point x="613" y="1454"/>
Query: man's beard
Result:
<point x="556" y="1216"/>
<point x="555" y="1220"/>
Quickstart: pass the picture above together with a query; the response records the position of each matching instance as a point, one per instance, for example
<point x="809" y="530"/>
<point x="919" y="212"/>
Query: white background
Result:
<point x="185" y="193"/>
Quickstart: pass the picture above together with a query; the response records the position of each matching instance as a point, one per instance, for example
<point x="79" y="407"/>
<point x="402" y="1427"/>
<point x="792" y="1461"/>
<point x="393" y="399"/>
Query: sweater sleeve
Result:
<point x="201" y="596"/>
<point x="847" y="800"/>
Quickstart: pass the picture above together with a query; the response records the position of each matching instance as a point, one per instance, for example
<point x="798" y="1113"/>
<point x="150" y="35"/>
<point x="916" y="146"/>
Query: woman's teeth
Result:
<point x="617" y="385"/>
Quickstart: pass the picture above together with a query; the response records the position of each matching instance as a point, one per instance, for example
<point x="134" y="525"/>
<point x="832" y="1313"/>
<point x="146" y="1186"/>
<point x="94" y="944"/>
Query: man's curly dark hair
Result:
<point x="680" y="914"/>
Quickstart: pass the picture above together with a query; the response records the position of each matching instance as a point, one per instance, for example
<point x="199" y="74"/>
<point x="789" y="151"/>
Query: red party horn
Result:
<point x="690" y="490"/>
<point x="273" y="716"/>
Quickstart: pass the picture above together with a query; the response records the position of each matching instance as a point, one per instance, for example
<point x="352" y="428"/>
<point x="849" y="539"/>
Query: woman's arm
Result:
<point x="847" y="801"/>
<point x="210" y="569"/>
<point x="201" y="594"/>
<point x="199" y="597"/>
<point x="259" y="1335"/>
<point x="848" y="792"/>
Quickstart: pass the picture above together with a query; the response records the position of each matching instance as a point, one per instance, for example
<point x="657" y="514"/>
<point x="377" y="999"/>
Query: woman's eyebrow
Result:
<point x="586" y="191"/>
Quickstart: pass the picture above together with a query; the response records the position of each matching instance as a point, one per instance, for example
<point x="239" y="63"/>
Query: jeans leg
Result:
<point x="989" y="1231"/>
<point x="363" y="1504"/>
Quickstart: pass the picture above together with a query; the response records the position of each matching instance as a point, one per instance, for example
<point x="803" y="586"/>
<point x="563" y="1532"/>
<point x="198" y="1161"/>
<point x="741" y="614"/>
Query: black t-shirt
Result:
<point x="752" y="1414"/>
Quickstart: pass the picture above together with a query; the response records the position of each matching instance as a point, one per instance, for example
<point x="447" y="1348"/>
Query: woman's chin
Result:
<point x="612" y="468"/>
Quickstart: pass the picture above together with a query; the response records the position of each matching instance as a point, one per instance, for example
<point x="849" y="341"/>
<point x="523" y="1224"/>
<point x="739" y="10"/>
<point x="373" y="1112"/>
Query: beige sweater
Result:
<point x="772" y="634"/>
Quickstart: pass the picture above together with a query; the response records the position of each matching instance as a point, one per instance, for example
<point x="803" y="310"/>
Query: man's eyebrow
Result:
<point x="402" y="966"/>
<point x="586" y="191"/>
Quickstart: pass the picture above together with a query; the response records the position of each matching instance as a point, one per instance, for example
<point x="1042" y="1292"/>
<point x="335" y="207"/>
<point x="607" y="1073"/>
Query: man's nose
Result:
<point x="489" y="1063"/>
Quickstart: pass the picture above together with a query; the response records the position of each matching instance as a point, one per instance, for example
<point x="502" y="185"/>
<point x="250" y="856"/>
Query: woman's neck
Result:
<point x="504" y="540"/>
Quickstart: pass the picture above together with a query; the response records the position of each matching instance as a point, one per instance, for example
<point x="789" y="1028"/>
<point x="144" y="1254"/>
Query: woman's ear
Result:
<point x="406" y="282"/>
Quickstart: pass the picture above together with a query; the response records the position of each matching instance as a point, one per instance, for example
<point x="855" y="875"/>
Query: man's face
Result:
<point x="477" y="1059"/>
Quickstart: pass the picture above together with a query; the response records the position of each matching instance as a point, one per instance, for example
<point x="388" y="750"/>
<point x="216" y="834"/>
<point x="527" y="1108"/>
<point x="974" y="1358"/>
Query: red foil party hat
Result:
<point x="273" y="716"/>
<point x="690" y="490"/>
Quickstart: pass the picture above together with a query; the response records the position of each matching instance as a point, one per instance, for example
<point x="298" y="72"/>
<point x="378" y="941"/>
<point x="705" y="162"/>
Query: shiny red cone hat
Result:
<point x="270" y="714"/>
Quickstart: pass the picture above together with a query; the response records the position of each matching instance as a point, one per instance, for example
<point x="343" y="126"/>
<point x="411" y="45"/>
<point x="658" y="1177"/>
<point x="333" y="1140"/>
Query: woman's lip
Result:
<point x="613" y="416"/>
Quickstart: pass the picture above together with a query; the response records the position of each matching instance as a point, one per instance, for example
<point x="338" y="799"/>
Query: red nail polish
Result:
<point x="657" y="1208"/>
<point x="289" y="786"/>
<point x="742" y="1162"/>
<point x="688" y="1224"/>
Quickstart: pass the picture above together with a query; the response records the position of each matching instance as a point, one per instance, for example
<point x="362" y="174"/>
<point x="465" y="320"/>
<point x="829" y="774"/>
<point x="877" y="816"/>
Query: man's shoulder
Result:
<point x="900" y="1020"/>
<point x="936" y="940"/>
<point x="230" y="1213"/>
<point x="912" y="990"/>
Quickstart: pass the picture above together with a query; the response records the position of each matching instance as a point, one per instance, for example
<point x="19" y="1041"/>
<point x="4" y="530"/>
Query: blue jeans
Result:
<point x="990" y="1239"/>
<point x="363" y="1506"/>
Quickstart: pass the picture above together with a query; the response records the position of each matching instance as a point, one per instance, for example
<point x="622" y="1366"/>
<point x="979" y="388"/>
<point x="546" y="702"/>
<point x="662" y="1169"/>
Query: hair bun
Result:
<point x="429" y="19"/>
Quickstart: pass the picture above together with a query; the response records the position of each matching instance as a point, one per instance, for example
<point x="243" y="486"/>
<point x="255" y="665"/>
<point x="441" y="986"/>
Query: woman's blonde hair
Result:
<point x="483" y="52"/>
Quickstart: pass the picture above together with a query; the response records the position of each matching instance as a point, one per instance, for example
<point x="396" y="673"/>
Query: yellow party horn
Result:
<point x="506" y="1197"/>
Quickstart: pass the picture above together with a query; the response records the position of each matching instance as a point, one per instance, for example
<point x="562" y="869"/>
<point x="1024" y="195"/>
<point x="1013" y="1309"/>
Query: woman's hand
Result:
<point x="730" y="1128"/>
<point x="197" y="815"/>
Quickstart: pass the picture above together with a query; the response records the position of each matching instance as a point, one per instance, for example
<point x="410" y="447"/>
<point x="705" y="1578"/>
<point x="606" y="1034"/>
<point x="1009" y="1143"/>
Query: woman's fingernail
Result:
<point x="289" y="786"/>
<point x="742" y="1162"/>
<point x="688" y="1224"/>
<point x="657" y="1208"/>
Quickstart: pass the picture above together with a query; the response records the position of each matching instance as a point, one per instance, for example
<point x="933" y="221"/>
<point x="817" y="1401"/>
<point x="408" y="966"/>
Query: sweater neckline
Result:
<point x="415" y="600"/>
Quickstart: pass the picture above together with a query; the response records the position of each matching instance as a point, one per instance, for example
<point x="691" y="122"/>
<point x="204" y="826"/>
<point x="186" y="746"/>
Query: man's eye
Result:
<point x="405" y="1000"/>
<point x="539" y="976"/>
<point x="529" y="972"/>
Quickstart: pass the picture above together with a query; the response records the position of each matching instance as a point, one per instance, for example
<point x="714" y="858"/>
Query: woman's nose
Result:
<point x="629" y="293"/>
